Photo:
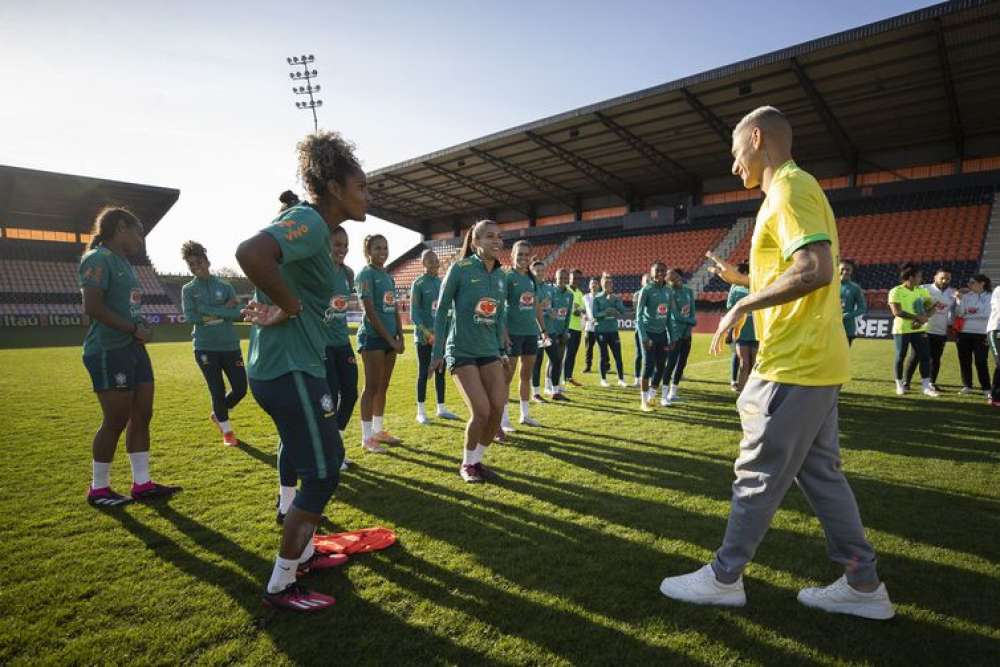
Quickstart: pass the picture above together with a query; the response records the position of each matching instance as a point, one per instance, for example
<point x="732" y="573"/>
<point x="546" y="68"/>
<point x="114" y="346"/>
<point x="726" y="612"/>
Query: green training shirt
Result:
<point x="204" y="303"/>
<point x="607" y="308"/>
<point x="653" y="310"/>
<point x="560" y="309"/>
<point x="335" y="315"/>
<point x="747" y="334"/>
<point x="375" y="284"/>
<point x="682" y="314"/>
<point x="475" y="299"/>
<point x="853" y="305"/>
<point x="423" y="306"/>
<point x="299" y="343"/>
<point x="520" y="308"/>
<point x="113" y="275"/>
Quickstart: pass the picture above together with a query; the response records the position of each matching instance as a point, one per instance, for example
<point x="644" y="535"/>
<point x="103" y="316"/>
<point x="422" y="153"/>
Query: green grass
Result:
<point x="558" y="564"/>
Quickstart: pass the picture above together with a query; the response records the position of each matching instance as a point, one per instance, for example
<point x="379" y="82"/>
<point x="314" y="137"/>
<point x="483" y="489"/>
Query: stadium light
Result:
<point x="307" y="74"/>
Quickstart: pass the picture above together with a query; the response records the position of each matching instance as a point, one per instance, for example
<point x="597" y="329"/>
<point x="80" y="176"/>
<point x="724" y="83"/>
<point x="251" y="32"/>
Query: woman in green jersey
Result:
<point x="607" y="308"/>
<point x="524" y="323"/>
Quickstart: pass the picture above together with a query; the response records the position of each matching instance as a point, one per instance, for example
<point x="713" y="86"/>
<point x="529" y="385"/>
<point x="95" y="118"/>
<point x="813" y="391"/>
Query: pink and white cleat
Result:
<point x="300" y="599"/>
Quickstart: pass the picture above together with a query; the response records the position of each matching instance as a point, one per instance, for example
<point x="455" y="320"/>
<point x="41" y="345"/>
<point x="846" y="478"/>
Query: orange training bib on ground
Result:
<point x="355" y="541"/>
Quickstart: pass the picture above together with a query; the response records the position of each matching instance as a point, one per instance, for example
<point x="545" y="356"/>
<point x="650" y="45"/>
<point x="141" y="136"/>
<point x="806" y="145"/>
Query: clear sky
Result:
<point x="196" y="95"/>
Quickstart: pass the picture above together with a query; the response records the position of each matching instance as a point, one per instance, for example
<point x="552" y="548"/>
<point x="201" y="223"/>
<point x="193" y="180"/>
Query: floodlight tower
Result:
<point x="305" y="75"/>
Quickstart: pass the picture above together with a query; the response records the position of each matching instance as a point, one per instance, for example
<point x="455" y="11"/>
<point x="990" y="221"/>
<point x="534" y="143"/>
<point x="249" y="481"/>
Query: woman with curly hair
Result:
<point x="290" y="265"/>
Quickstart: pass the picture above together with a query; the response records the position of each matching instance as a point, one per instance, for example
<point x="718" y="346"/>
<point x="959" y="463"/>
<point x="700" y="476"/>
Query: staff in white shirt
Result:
<point x="993" y="336"/>
<point x="943" y="310"/>
<point x="973" y="306"/>
<point x="590" y="323"/>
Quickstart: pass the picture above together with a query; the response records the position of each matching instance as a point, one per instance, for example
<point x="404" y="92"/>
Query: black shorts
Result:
<point x="121" y="369"/>
<point x="458" y="362"/>
<point x="523" y="346"/>
<point x="374" y="344"/>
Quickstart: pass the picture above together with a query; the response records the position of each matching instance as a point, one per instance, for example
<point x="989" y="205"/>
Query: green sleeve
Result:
<point x="224" y="312"/>
<point x="639" y="307"/>
<point x="191" y="313"/>
<point x="690" y="319"/>
<point x="445" y="302"/>
<point x="415" y="307"/>
<point x="861" y="305"/>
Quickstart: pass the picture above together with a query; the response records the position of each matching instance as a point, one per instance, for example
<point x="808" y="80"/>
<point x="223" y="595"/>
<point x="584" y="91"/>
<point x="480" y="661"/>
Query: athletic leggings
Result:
<point x="591" y="338"/>
<point x="342" y="377"/>
<point x="610" y="340"/>
<point x="213" y="365"/>
<point x="973" y="345"/>
<point x="935" y="346"/>
<point x="572" y="347"/>
<point x="920" y="348"/>
<point x="555" y="354"/>
<point x="655" y="359"/>
<point x="638" y="355"/>
<point x="677" y="360"/>
<point x="423" y="365"/>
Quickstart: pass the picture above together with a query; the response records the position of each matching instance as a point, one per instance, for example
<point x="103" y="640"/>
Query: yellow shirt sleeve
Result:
<point x="799" y="217"/>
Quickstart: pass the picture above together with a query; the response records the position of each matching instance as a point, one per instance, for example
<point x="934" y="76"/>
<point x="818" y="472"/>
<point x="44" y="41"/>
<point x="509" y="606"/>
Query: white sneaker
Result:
<point x="840" y="598"/>
<point x="931" y="391"/>
<point x="345" y="464"/>
<point x="672" y="394"/>
<point x="622" y="383"/>
<point x="507" y="427"/>
<point x="664" y="401"/>
<point x="965" y="390"/>
<point x="636" y="382"/>
<point x="701" y="587"/>
<point x="604" y="383"/>
<point x="423" y="419"/>
<point x="445" y="413"/>
<point x="528" y="421"/>
<point x="900" y="389"/>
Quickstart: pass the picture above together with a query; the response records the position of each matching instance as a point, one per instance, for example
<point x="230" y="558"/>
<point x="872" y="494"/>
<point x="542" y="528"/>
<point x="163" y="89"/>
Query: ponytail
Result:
<point x="107" y="223"/>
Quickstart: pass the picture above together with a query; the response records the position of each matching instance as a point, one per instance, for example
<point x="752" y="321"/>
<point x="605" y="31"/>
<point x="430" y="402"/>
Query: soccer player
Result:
<point x="543" y="296"/>
<point x="607" y="307"/>
<point x="290" y="264"/>
<point x="788" y="408"/>
<point x="973" y="306"/>
<point x="574" y="331"/>
<point x="210" y="304"/>
<point x="744" y="339"/>
<point x="637" y="375"/>
<point x="942" y="312"/>
<point x="589" y="323"/>
<point x="682" y="321"/>
<point x="114" y="353"/>
<point x="471" y="340"/>
<point x="910" y="303"/>
<point x="852" y="299"/>
<point x="423" y="307"/>
<point x="652" y="317"/>
<point x="380" y="340"/>
<point x="557" y="320"/>
<point x="523" y="315"/>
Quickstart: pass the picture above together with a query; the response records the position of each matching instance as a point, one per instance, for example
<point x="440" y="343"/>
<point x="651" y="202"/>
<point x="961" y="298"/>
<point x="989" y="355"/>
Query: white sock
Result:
<point x="101" y="475"/>
<point x="524" y="408"/>
<point x="377" y="423"/>
<point x="286" y="494"/>
<point x="140" y="467"/>
<point x="308" y="551"/>
<point x="226" y="426"/>
<point x="366" y="431"/>
<point x="467" y="456"/>
<point x="476" y="455"/>
<point x="283" y="574"/>
<point x="535" y="390"/>
<point x="506" y="415"/>
<point x="421" y="410"/>
<point x="442" y="408"/>
<point x="926" y="382"/>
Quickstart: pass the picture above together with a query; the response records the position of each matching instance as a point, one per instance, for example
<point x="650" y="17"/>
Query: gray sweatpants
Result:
<point x="790" y="433"/>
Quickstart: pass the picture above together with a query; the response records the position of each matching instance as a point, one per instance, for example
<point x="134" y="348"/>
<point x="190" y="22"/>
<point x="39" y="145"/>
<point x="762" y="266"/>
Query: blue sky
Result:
<point x="196" y="95"/>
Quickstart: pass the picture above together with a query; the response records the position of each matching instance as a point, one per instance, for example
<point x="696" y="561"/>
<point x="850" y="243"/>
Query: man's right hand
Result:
<point x="724" y="269"/>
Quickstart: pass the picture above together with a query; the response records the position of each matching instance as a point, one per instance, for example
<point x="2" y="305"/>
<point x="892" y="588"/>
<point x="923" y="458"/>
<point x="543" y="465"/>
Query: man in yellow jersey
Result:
<point x="788" y="408"/>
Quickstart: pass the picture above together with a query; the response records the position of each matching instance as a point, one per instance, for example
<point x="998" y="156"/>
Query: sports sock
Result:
<point x="366" y="431"/>
<point x="442" y="408"/>
<point x="535" y="390"/>
<point x="140" y="467"/>
<point x="926" y="382"/>
<point x="286" y="494"/>
<point x="226" y="426"/>
<point x="506" y="415"/>
<point x="377" y="423"/>
<point x="476" y="455"/>
<point x="309" y="550"/>
<point x="283" y="574"/>
<point x="524" y="408"/>
<point x="421" y="410"/>
<point x="466" y="456"/>
<point x="101" y="476"/>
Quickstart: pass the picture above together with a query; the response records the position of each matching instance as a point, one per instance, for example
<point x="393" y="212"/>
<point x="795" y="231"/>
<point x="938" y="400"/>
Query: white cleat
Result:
<point x="664" y="401"/>
<point x="423" y="419"/>
<point x="507" y="427"/>
<point x="604" y="383"/>
<point x="701" y="587"/>
<point x="445" y="413"/>
<point x="931" y="391"/>
<point x="966" y="390"/>
<point x="900" y="388"/>
<point x="840" y="598"/>
<point x="528" y="421"/>
<point x="622" y="383"/>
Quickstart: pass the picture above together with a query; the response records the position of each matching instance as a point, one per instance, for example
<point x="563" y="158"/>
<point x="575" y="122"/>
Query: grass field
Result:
<point x="559" y="563"/>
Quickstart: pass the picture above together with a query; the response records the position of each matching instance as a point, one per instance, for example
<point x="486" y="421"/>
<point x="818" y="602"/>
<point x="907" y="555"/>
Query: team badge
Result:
<point x="661" y="309"/>
<point x="485" y="310"/>
<point x="527" y="299"/>
<point x="561" y="312"/>
<point x="135" y="296"/>
<point x="338" y="302"/>
<point x="389" y="299"/>
<point x="218" y="294"/>
<point x="326" y="402"/>
<point x="686" y="310"/>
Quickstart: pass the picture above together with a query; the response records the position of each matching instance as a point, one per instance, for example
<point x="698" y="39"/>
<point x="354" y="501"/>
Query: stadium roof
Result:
<point x="52" y="201"/>
<point x="924" y="80"/>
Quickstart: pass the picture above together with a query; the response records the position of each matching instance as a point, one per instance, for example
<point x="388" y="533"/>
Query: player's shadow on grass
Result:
<point x="263" y="457"/>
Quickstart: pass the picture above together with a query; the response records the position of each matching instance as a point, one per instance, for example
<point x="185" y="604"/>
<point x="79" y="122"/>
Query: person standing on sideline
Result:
<point x="993" y="336"/>
<point x="578" y="310"/>
<point x="289" y="262"/>
<point x="607" y="307"/>
<point x="423" y="308"/>
<point x="682" y="322"/>
<point x="211" y="306"/>
<point x="972" y="305"/>
<point x="590" y="324"/>
<point x="380" y="341"/>
<point x="524" y="324"/>
<point x="852" y="299"/>
<point x="910" y="304"/>
<point x="543" y="296"/>
<point x="557" y="329"/>
<point x="942" y="313"/>
<point x="471" y="340"/>
<point x="652" y="319"/>
<point x="115" y="356"/>
<point x="788" y="408"/>
<point x="637" y="364"/>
